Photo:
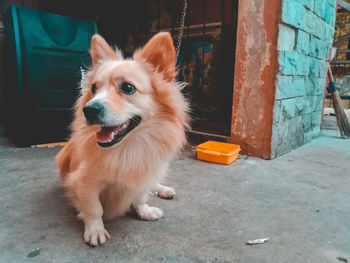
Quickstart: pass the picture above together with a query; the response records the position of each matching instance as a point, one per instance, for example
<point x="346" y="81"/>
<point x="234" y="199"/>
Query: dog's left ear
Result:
<point x="100" y="49"/>
<point x="159" y="51"/>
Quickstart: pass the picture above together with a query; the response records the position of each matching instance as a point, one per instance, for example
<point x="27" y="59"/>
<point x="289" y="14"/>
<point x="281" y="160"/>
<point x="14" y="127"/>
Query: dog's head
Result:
<point x="118" y="93"/>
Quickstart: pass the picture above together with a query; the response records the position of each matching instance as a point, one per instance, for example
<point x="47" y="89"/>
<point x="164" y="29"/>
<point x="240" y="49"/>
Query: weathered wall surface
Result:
<point x="343" y="85"/>
<point x="255" y="76"/>
<point x="305" y="36"/>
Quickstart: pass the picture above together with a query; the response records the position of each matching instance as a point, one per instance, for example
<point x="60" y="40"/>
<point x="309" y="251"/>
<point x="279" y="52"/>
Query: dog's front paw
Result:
<point x="149" y="213"/>
<point x="166" y="192"/>
<point x="95" y="234"/>
<point x="96" y="237"/>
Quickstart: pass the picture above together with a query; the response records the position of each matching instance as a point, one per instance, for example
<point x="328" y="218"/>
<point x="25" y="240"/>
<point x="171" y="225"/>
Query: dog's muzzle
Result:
<point x="94" y="113"/>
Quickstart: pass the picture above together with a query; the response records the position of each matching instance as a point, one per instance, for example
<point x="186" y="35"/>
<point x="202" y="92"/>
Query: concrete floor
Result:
<point x="301" y="201"/>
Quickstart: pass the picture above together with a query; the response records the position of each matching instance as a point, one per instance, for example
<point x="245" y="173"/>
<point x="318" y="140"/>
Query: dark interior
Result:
<point x="207" y="54"/>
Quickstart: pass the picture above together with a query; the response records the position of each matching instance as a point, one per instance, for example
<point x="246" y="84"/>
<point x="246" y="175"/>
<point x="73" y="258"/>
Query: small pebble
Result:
<point x="342" y="259"/>
<point x="34" y="253"/>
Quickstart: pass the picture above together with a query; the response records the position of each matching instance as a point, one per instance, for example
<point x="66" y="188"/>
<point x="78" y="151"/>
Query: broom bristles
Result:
<point x="342" y="119"/>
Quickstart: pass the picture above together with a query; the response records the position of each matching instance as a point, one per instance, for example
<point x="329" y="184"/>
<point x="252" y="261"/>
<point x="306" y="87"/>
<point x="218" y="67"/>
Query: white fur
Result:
<point x="148" y="213"/>
<point x="165" y="191"/>
<point x="95" y="233"/>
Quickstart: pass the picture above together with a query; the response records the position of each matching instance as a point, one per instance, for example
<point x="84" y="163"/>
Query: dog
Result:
<point x="129" y="122"/>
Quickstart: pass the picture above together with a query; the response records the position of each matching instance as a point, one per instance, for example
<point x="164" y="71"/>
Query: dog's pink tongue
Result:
<point x="105" y="134"/>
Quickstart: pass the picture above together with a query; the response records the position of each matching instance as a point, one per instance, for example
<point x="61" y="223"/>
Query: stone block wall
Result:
<point x="305" y="36"/>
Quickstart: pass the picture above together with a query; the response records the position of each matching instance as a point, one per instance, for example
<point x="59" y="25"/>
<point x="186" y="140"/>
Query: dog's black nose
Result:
<point x="93" y="113"/>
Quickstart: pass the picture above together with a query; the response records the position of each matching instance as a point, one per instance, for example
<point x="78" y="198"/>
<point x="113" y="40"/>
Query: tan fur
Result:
<point x="121" y="175"/>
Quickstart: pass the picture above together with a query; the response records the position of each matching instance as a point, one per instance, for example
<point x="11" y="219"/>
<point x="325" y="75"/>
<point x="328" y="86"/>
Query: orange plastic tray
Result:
<point x="218" y="152"/>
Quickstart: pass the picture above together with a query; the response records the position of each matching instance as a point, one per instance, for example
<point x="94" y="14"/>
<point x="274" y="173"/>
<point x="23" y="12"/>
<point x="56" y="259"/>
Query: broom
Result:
<point x="342" y="119"/>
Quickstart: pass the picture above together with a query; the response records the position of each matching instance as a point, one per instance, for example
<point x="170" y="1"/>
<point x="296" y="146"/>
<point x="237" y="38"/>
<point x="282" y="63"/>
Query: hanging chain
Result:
<point x="181" y="27"/>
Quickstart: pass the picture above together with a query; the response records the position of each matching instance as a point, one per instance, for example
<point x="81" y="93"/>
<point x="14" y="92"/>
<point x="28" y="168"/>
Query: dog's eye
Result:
<point x="93" y="88"/>
<point x="127" y="88"/>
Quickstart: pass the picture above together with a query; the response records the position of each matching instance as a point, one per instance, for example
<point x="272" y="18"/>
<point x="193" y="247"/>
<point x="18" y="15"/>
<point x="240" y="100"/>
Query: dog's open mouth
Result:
<point x="110" y="135"/>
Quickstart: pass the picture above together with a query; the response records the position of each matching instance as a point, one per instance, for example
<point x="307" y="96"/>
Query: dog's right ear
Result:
<point x="100" y="49"/>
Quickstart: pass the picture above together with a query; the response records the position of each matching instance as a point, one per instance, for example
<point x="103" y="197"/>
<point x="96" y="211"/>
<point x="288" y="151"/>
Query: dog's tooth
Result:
<point x="112" y="135"/>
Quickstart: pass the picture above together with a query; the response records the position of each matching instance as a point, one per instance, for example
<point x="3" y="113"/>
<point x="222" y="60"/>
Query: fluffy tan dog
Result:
<point x="129" y="122"/>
